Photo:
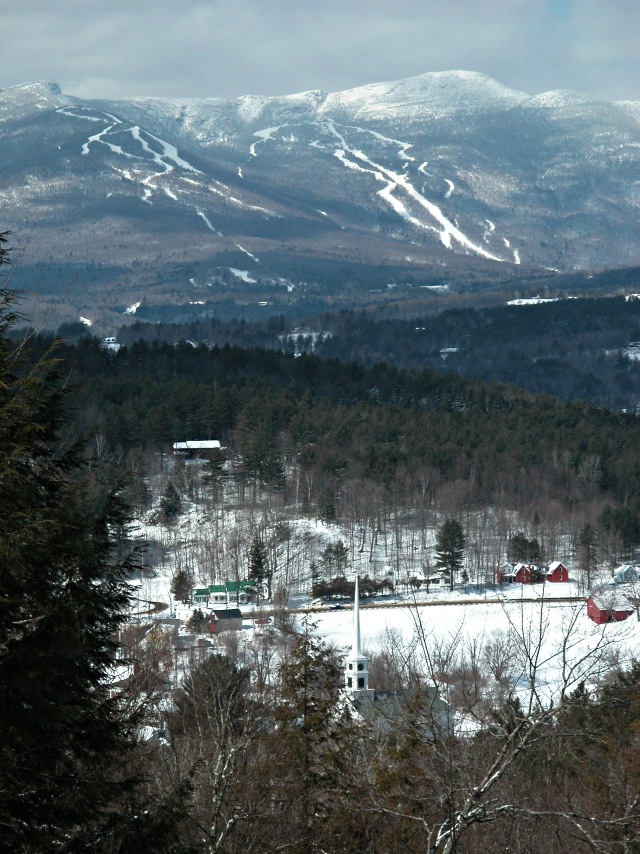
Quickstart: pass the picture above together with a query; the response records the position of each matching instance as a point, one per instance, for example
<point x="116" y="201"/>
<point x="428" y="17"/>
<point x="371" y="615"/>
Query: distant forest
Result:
<point x="573" y="349"/>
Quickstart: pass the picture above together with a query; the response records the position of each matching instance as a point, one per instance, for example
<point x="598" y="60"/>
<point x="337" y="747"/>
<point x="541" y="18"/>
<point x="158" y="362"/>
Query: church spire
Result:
<point x="356" y="675"/>
<point x="355" y="643"/>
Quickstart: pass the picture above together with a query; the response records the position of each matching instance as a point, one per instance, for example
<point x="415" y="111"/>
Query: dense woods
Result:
<point x="317" y="428"/>
<point x="254" y="747"/>
<point x="574" y="349"/>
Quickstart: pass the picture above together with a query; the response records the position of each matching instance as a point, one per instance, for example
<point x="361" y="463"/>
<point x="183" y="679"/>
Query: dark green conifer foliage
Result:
<point x="170" y="503"/>
<point x="259" y="570"/>
<point x="315" y="736"/>
<point x="524" y="550"/>
<point x="587" y="551"/>
<point x="450" y="546"/>
<point x="181" y="585"/>
<point x="63" y="594"/>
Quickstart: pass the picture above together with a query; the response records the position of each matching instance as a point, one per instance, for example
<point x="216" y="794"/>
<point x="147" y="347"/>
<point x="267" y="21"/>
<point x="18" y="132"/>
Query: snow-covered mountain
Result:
<point x="440" y="176"/>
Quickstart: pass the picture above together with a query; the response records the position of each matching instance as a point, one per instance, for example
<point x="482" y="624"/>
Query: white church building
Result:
<point x="356" y="675"/>
<point x="387" y="707"/>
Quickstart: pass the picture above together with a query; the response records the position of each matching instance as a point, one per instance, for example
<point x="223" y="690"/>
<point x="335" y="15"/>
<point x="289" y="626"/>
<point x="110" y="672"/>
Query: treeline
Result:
<point x="337" y="433"/>
<point x="572" y="349"/>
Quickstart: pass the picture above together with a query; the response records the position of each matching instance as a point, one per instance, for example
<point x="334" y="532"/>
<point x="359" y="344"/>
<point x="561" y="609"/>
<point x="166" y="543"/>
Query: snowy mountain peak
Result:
<point x="435" y="92"/>
<point x="558" y="98"/>
<point x="429" y="175"/>
<point x="37" y="89"/>
<point x="31" y="97"/>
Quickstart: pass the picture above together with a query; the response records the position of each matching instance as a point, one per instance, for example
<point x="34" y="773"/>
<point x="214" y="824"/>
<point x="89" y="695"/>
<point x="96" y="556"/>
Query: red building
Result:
<point x="608" y="609"/>
<point x="557" y="572"/>
<point x="522" y="573"/>
<point x="527" y="573"/>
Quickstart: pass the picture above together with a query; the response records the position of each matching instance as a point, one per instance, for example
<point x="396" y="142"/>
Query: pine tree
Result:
<point x="170" y="504"/>
<point x="315" y="734"/>
<point x="450" y="546"/>
<point x="181" y="585"/>
<point x="63" y="597"/>
<point x="258" y="564"/>
<point x="521" y="549"/>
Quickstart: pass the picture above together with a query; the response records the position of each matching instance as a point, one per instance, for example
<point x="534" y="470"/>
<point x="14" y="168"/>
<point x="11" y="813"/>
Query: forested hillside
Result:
<point x="345" y="429"/>
<point x="122" y="740"/>
<point x="574" y="349"/>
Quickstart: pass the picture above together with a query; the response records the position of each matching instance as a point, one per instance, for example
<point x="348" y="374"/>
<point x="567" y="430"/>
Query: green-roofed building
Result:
<point x="237" y="592"/>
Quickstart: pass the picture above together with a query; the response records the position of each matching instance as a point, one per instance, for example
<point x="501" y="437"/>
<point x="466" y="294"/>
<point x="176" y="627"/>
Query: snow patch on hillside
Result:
<point x="244" y="275"/>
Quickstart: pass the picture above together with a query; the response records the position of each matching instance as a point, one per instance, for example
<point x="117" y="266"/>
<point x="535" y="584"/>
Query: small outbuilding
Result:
<point x="609" y="608"/>
<point x="196" y="448"/>
<point x="229" y="620"/>
<point x="556" y="572"/>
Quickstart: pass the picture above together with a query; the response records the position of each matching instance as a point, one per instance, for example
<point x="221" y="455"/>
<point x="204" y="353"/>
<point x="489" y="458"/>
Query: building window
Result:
<point x="360" y="681"/>
<point x="351" y="667"/>
<point x="349" y="682"/>
<point x="360" y="666"/>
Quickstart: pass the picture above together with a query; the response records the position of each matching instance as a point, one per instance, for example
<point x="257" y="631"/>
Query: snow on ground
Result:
<point x="263" y="135"/>
<point x="530" y="300"/>
<point x="246" y="252"/>
<point x="571" y="646"/>
<point x="552" y="615"/>
<point x="243" y="274"/>
<point x="207" y="221"/>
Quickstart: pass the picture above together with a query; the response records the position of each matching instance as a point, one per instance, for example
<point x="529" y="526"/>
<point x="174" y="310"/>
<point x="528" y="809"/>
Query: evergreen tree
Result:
<point x="523" y="550"/>
<point x="170" y="504"/>
<point x="450" y="546"/>
<point x="63" y="597"/>
<point x="213" y="474"/>
<point x="258" y="564"/>
<point x="198" y="621"/>
<point x="313" y="740"/>
<point x="334" y="559"/>
<point x="181" y="585"/>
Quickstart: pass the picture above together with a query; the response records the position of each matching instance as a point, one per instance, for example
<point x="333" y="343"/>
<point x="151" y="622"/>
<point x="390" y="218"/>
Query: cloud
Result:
<point x="205" y="48"/>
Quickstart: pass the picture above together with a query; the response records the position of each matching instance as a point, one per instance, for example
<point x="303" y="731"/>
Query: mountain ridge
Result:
<point x="437" y="178"/>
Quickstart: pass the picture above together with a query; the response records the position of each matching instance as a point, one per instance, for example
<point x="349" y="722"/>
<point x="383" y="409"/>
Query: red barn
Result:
<point x="557" y="572"/>
<point x="608" y="609"/>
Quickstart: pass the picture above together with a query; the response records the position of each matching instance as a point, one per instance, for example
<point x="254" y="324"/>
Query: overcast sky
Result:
<point x="206" y="48"/>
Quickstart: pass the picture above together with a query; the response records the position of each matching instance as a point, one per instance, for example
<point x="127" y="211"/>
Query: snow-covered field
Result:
<point x="543" y="627"/>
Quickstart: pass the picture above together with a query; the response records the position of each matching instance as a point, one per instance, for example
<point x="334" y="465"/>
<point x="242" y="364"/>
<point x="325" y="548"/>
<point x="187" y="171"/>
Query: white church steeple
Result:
<point x="356" y="675"/>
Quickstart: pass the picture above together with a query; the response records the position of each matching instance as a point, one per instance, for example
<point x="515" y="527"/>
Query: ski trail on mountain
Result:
<point x="169" y="158"/>
<point x="246" y="252"/>
<point x="447" y="232"/>
<point x="98" y="137"/>
<point x="207" y="222"/>
<point x="263" y="135"/>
